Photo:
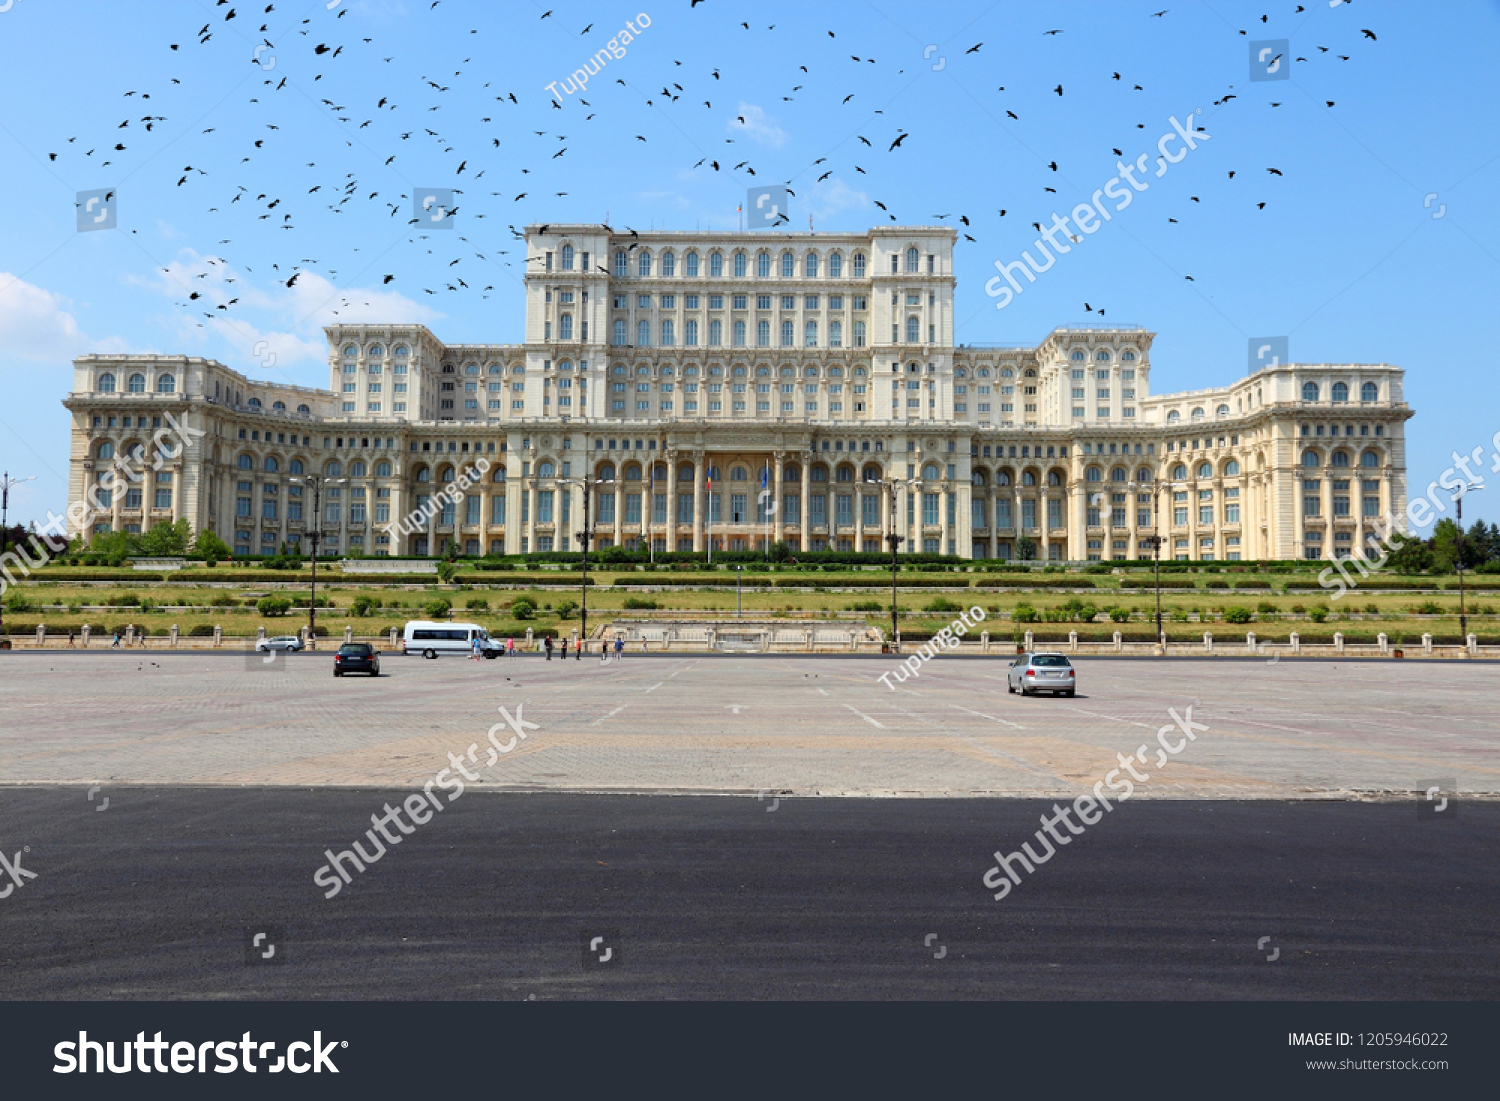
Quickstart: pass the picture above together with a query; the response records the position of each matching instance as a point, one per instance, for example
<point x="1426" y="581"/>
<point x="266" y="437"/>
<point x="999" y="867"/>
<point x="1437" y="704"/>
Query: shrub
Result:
<point x="437" y="609"/>
<point x="523" y="609"/>
<point x="16" y="604"/>
<point x="863" y="606"/>
<point x="364" y="605"/>
<point x="1237" y="613"/>
<point x="1427" y="607"/>
<point x="566" y="608"/>
<point x="223" y="600"/>
<point x="201" y="630"/>
<point x="1216" y="583"/>
<point x="1025" y="613"/>
<point x="1318" y="615"/>
<point x="1120" y="615"/>
<point x="477" y="604"/>
<point x="1298" y="609"/>
<point x="273" y="606"/>
<point x="1372" y="609"/>
<point x="127" y="600"/>
<point x="634" y="602"/>
<point x="942" y="604"/>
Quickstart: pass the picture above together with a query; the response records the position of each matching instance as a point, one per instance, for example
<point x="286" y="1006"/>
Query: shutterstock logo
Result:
<point x="12" y="869"/>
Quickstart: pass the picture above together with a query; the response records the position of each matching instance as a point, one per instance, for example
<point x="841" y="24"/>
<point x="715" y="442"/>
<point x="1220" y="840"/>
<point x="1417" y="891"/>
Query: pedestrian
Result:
<point x="70" y="638"/>
<point x="578" y="652"/>
<point x="619" y="646"/>
<point x="115" y="645"/>
<point x="476" y="648"/>
<point x="547" y="644"/>
<point x="510" y="647"/>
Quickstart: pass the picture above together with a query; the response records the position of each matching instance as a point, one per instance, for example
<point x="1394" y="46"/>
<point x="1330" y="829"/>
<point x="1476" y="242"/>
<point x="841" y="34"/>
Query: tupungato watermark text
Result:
<point x="946" y="639"/>
<point x="615" y="48"/>
<point x="416" y="520"/>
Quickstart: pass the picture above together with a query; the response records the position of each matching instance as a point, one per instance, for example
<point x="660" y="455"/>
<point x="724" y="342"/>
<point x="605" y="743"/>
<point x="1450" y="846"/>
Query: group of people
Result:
<point x="549" y="647"/>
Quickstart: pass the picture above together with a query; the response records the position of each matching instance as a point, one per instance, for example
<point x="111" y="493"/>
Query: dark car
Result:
<point x="356" y="657"/>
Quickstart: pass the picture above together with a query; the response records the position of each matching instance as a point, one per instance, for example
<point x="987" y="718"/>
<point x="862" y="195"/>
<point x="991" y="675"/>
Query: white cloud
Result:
<point x="36" y="325"/>
<point x="758" y="125"/>
<point x="833" y="196"/>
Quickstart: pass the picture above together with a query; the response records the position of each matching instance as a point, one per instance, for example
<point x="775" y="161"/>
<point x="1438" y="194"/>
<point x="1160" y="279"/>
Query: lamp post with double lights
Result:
<point x="585" y="539"/>
<point x="1154" y="541"/>
<point x="895" y="540"/>
<point x="6" y="482"/>
<point x="314" y="534"/>
<point x="1458" y="561"/>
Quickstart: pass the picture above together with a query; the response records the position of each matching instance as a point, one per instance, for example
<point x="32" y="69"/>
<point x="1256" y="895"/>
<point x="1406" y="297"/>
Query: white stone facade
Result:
<point x="658" y="363"/>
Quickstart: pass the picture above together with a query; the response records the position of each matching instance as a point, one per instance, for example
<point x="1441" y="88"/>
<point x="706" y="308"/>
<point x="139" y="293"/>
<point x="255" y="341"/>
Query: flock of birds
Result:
<point x="513" y="151"/>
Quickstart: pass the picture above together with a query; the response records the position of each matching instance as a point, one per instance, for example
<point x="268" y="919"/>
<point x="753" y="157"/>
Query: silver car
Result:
<point x="1031" y="673"/>
<point x="280" y="642"/>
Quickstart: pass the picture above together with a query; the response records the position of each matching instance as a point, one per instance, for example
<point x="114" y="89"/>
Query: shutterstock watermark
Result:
<point x="1085" y="215"/>
<point x="615" y="48"/>
<point x="946" y="639"/>
<point x="1004" y="876"/>
<point x="420" y="806"/>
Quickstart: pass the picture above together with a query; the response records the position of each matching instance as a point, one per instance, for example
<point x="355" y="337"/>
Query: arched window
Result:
<point x="835" y="266"/>
<point x="1093" y="474"/>
<point x="811" y="335"/>
<point x="271" y="465"/>
<point x="306" y="410"/>
<point x="621" y="264"/>
<point x="845" y="474"/>
<point x="333" y="469"/>
<point x="871" y="473"/>
<point x="713" y="473"/>
<point x="1054" y="478"/>
<point x="567" y="258"/>
<point x="739" y="474"/>
<point x="1309" y="391"/>
<point x="859" y="265"/>
<point x="740" y="263"/>
<point x="245" y="462"/>
<point x="545" y="469"/>
<point x="1002" y="478"/>
<point x="351" y="350"/>
<point x="1179" y="473"/>
<point x="820" y="473"/>
<point x="792" y="473"/>
<point x="278" y="406"/>
<point x="255" y="404"/>
<point x="787" y="334"/>
<point x="669" y="263"/>
<point x="1310" y="458"/>
<point x="632" y="472"/>
<point x="1127" y="357"/>
<point x="788" y="265"/>
<point x="1369" y="459"/>
<point x="357" y="469"/>
<point x="913" y="330"/>
<point x="499" y="475"/>
<point x="643" y="263"/>
<point x="1028" y="477"/>
<point x="1340" y="391"/>
<point x="913" y="260"/>
<point x="1102" y="357"/>
<point x="716" y="264"/>
<point x="1118" y="474"/>
<point x="763" y="265"/>
<point x="1077" y="357"/>
<point x="295" y="467"/>
<point x="136" y="384"/>
<point x="810" y="266"/>
<point x="106" y="450"/>
<point x="607" y="472"/>
<point x="166" y="384"/>
<point x="1231" y="468"/>
<point x="106" y="383"/>
<point x="1143" y="476"/>
<point x="1222" y="411"/>
<point x="383" y="469"/>
<point x="401" y="351"/>
<point x="691" y="264"/>
<point x="811" y="372"/>
<point x="1205" y="470"/>
<point x="376" y="351"/>
<point x="931" y="473"/>
<point x="1173" y="417"/>
<point x="1339" y="458"/>
<point x="1369" y="392"/>
<point x="685" y="473"/>
<point x="1197" y="414"/>
<point x="446" y="475"/>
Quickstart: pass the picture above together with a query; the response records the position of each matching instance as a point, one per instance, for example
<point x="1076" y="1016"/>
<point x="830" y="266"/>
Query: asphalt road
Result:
<point x="734" y="897"/>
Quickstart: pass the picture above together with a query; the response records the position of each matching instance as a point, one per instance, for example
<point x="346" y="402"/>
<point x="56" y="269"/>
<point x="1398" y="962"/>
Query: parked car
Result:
<point x="1031" y="673"/>
<point x="430" y="639"/>
<point x="280" y="642"/>
<point x="356" y="657"/>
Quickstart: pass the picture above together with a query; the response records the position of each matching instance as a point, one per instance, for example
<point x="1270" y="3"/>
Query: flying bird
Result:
<point x="974" y="49"/>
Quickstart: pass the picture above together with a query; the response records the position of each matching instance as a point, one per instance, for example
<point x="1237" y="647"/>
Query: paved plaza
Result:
<point x="768" y="727"/>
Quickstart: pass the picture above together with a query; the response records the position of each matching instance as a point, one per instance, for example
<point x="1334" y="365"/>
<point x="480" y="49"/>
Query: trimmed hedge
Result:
<point x="1166" y="583"/>
<point x="875" y="581"/>
<point x="1053" y="582"/>
<point x="1415" y="584"/>
<point x="519" y="580"/>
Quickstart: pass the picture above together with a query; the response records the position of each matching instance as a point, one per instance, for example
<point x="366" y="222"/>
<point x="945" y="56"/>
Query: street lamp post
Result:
<point x="584" y="537"/>
<point x="1154" y="540"/>
<point x="1458" y="545"/>
<point x="895" y="540"/>
<point x="6" y="481"/>
<point x="738" y="570"/>
<point x="316" y="533"/>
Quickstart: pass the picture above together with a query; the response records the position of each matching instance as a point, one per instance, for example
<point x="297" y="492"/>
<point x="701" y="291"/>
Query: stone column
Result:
<point x="671" y="461"/>
<point x="531" y="503"/>
<point x="513" y="491"/>
<point x="484" y="515"/>
<point x="778" y="525"/>
<point x="699" y="467"/>
<point x="619" y="506"/>
<point x="806" y="526"/>
<point x="965" y="527"/>
<point x="1044" y="542"/>
<point x="1299" y="526"/>
<point x="943" y="492"/>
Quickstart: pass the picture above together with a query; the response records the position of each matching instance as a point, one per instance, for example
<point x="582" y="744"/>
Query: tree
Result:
<point x="780" y="552"/>
<point x="273" y="606"/>
<point x="523" y="609"/>
<point x="167" y="538"/>
<point x="437" y="609"/>
<point x="446" y="571"/>
<point x="1410" y="556"/>
<point x="211" y="546"/>
<point x="1026" y="548"/>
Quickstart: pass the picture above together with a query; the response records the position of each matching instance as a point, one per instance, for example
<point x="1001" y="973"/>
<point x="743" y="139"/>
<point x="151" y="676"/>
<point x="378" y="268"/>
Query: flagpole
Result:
<point x="651" y="506"/>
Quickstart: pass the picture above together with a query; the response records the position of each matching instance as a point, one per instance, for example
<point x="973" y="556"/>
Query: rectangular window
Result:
<point x="1002" y="513"/>
<point x="1028" y="513"/>
<point x="844" y="510"/>
<point x="543" y="506"/>
<point x="791" y="508"/>
<point x="632" y="508"/>
<point x="606" y="508"/>
<point x="929" y="508"/>
<point x="817" y="509"/>
<point x="870" y="510"/>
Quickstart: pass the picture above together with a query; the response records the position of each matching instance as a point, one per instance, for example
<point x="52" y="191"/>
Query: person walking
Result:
<point x="70" y="638"/>
<point x="476" y="649"/>
<point x="510" y="647"/>
<point x="115" y="645"/>
<point x="547" y="645"/>
<point x="619" y="647"/>
<point x="578" y="652"/>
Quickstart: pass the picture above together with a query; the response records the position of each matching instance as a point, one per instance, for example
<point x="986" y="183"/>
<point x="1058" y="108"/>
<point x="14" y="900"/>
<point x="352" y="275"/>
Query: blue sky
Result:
<point x="1346" y="258"/>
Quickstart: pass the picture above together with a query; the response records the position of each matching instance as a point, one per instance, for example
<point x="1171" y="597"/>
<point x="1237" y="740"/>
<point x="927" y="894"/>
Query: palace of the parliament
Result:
<point x="722" y="389"/>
